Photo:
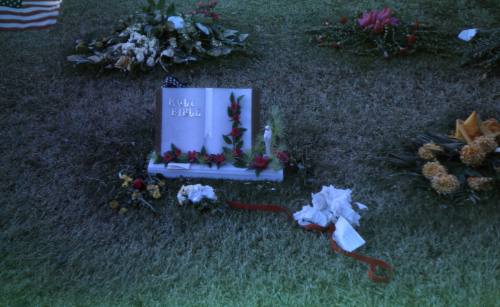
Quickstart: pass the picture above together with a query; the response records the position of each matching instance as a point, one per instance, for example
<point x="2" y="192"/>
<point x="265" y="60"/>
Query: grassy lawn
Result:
<point x="65" y="135"/>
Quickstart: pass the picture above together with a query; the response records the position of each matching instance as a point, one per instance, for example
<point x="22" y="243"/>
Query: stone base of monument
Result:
<point x="187" y="170"/>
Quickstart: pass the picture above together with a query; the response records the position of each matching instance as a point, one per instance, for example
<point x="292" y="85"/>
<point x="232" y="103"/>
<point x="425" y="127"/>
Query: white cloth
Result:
<point x="328" y="207"/>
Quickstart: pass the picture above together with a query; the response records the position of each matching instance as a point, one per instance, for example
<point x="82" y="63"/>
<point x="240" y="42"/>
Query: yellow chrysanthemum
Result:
<point x="156" y="194"/>
<point x="114" y="204"/>
<point x="472" y="155"/>
<point x="428" y="151"/>
<point x="126" y="180"/>
<point x="136" y="195"/>
<point x="433" y="169"/>
<point x="487" y="144"/>
<point x="445" y="184"/>
<point x="154" y="191"/>
<point x="480" y="183"/>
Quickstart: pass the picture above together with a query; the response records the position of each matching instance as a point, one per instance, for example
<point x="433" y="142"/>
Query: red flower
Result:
<point x="335" y="45"/>
<point x="215" y="16"/>
<point x="237" y="153"/>
<point x="236" y="118"/>
<point x="138" y="184"/>
<point x="411" y="39"/>
<point x="192" y="156"/>
<point x="283" y="157"/>
<point x="234" y="107"/>
<point x="218" y="159"/>
<point x="206" y="158"/>
<point x="260" y="163"/>
<point x="343" y="20"/>
<point x="168" y="157"/>
<point x="235" y="132"/>
<point x="177" y="153"/>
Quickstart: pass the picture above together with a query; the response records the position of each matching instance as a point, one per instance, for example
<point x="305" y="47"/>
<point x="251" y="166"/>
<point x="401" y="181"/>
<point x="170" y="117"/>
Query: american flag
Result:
<point x="28" y="14"/>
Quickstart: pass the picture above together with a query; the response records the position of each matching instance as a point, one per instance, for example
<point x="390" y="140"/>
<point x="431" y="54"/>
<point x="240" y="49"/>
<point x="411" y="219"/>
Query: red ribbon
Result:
<point x="373" y="263"/>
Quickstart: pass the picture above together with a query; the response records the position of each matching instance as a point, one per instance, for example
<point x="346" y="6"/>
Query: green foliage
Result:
<point x="277" y="125"/>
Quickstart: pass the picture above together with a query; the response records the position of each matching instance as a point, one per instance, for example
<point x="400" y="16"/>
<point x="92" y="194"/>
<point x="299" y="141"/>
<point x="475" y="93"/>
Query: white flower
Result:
<point x="182" y="195"/>
<point x="151" y="61"/>
<point x="467" y="35"/>
<point x="126" y="47"/>
<point x="177" y="21"/>
<point x="139" y="56"/>
<point x="138" y="37"/>
<point x="169" y="52"/>
<point x="195" y="193"/>
<point x="203" y="28"/>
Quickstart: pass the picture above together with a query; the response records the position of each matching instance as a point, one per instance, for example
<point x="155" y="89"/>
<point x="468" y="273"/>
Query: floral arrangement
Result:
<point x="464" y="166"/>
<point x="482" y="50"/>
<point x="201" y="196"/>
<point x="380" y="32"/>
<point x="257" y="160"/>
<point x="138" y="191"/>
<point x="160" y="36"/>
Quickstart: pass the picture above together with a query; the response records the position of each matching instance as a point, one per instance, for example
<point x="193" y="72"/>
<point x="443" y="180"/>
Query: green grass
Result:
<point x="65" y="136"/>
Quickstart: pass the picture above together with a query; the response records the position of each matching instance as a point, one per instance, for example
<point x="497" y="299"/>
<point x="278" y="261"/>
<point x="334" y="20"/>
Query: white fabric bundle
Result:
<point x="333" y="206"/>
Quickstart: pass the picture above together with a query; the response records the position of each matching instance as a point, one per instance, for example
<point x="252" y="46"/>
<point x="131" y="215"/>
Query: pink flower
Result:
<point x="376" y="20"/>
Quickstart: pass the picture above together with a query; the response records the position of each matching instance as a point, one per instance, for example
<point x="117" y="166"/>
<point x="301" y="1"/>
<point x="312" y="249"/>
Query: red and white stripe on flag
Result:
<point x="33" y="14"/>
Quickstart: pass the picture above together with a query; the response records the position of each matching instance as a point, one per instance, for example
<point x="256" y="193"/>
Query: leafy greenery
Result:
<point x="160" y="36"/>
